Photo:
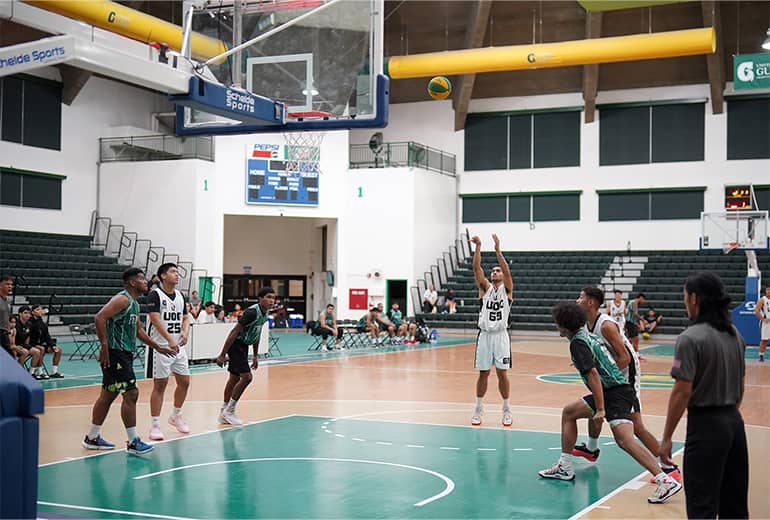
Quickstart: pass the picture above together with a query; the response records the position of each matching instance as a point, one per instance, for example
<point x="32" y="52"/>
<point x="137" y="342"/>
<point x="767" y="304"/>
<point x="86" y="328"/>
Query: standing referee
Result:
<point x="709" y="370"/>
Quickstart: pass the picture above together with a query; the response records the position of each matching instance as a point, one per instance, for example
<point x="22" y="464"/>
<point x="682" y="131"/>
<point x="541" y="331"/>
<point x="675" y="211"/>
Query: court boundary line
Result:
<point x="616" y="491"/>
<point x="450" y="485"/>
<point x="189" y="436"/>
<point x="114" y="511"/>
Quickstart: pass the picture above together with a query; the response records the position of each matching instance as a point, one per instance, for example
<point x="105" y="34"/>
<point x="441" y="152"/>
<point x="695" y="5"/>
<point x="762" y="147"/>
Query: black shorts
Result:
<point x="119" y="377"/>
<point x="238" y="358"/>
<point x="362" y="329"/>
<point x="632" y="330"/>
<point x="618" y="402"/>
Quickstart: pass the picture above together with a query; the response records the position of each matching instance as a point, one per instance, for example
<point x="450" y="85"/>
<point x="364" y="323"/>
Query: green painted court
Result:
<point x="303" y="466"/>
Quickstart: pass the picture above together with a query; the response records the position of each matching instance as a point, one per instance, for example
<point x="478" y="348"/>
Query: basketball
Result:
<point x="439" y="87"/>
<point x="646" y="335"/>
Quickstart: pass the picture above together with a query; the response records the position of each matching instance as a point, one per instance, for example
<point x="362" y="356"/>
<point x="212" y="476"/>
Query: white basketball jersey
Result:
<point x="764" y="308"/>
<point x="601" y="320"/>
<point x="495" y="309"/>
<point x="171" y="315"/>
<point x="618" y="312"/>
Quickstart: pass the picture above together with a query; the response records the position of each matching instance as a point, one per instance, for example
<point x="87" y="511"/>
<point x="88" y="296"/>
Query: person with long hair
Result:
<point x="709" y="370"/>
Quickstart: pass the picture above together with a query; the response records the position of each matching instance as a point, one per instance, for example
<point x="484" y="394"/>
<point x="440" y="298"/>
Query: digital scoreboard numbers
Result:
<point x="738" y="197"/>
<point x="271" y="179"/>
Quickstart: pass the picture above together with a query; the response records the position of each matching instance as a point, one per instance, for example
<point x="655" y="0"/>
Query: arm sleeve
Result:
<point x="153" y="301"/>
<point x="247" y="317"/>
<point x="581" y="356"/>
<point x="685" y="359"/>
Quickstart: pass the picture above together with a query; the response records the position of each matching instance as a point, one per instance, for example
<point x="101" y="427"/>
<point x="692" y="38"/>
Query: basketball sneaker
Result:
<point x="667" y="488"/>
<point x="761" y="358"/>
<point x="671" y="471"/>
<point x="138" y="447"/>
<point x="476" y="417"/>
<point x="155" y="433"/>
<point x="507" y="418"/>
<point x="97" y="444"/>
<point x="581" y="450"/>
<point x="230" y="418"/>
<point x="221" y="419"/>
<point x="177" y="422"/>
<point x="557" y="472"/>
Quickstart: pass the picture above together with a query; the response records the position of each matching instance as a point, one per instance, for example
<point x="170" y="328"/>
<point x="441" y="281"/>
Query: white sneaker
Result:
<point x="324" y="349"/>
<point x="476" y="417"/>
<point x="221" y="419"/>
<point x="507" y="418"/>
<point x="557" y="472"/>
<point x="177" y="422"/>
<point x="230" y="418"/>
<point x="156" y="434"/>
<point x="667" y="488"/>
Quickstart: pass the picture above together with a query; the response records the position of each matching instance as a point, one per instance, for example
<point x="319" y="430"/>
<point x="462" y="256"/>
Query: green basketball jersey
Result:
<point x="630" y="315"/>
<point x="121" y="328"/>
<point x="362" y="320"/>
<point x="608" y="370"/>
<point x="329" y="319"/>
<point x="251" y="324"/>
<point x="396" y="317"/>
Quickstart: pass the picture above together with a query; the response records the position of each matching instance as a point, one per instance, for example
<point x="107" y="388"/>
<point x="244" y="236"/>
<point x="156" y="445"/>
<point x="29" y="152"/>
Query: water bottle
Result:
<point x="462" y="303"/>
<point x="433" y="338"/>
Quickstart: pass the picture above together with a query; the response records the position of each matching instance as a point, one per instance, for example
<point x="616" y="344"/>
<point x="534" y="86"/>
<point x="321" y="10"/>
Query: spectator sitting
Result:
<point x="449" y="298"/>
<point x="22" y="340"/>
<point x="429" y="299"/>
<point x="192" y="311"/>
<point x="280" y="316"/>
<point x="237" y="312"/>
<point x="651" y="321"/>
<point x="154" y="282"/>
<point x="327" y="326"/>
<point x="368" y="323"/>
<point x="207" y="314"/>
<point x="41" y="338"/>
<point x="19" y="352"/>
<point x="219" y="314"/>
<point x="194" y="299"/>
<point x="405" y="331"/>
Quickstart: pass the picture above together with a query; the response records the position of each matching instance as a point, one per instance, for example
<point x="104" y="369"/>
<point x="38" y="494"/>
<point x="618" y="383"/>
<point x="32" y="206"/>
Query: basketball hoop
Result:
<point x="729" y="247"/>
<point x="303" y="148"/>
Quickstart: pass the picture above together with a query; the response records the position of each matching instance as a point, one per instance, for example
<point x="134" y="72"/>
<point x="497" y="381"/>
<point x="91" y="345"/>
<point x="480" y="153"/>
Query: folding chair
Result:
<point x="86" y="342"/>
<point x="273" y="350"/>
<point x="318" y="339"/>
<point x="140" y="353"/>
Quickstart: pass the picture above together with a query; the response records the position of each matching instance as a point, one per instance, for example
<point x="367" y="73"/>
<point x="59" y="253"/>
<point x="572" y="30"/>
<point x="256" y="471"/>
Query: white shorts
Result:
<point x="636" y="381"/>
<point x="765" y="332"/>
<point x="493" y="348"/>
<point x="160" y="366"/>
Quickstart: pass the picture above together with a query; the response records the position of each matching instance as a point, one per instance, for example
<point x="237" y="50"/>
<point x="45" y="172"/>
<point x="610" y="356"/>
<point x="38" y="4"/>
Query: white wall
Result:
<point x="432" y="123"/>
<point x="100" y="105"/>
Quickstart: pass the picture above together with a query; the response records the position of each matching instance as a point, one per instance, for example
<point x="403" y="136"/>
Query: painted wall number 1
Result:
<point x="360" y="192"/>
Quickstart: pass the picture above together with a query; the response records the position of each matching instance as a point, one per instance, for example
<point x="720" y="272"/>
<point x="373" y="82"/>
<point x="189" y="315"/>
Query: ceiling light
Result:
<point x="313" y="91"/>
<point x="766" y="45"/>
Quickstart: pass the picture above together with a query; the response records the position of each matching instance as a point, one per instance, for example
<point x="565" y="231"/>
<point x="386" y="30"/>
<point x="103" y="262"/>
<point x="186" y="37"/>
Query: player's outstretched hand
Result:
<point x="497" y="242"/>
<point x="476" y="240"/>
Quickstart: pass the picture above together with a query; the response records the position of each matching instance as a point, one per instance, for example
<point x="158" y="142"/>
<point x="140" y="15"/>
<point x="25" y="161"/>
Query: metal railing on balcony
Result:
<point x="156" y="148"/>
<point x="394" y="155"/>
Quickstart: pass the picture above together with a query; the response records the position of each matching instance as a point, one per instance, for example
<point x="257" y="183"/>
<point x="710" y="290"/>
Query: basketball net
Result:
<point x="303" y="151"/>
<point x="729" y="247"/>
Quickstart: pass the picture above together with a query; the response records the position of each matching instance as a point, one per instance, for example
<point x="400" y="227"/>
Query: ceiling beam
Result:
<point x="474" y="37"/>
<point x="591" y="72"/>
<point x="74" y="80"/>
<point x="715" y="61"/>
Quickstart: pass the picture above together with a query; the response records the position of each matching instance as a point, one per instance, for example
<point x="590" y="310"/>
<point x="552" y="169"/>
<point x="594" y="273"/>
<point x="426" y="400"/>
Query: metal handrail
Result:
<point x="155" y="148"/>
<point x="403" y="154"/>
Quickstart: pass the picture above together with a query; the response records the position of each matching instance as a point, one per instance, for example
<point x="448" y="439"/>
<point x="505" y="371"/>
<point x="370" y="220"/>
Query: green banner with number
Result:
<point x="751" y="71"/>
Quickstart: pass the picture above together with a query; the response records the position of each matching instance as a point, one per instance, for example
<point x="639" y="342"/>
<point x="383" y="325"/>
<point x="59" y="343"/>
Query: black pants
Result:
<point x="716" y="464"/>
<point x="326" y="333"/>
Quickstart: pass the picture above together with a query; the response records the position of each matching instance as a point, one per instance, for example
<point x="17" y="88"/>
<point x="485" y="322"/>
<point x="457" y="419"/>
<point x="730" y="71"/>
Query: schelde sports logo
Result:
<point x="239" y="101"/>
<point x="42" y="55"/>
<point x="746" y="71"/>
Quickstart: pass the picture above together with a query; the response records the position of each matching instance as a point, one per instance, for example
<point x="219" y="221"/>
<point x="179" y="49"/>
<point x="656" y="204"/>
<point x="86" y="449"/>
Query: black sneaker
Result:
<point x="581" y="450"/>
<point x="56" y="375"/>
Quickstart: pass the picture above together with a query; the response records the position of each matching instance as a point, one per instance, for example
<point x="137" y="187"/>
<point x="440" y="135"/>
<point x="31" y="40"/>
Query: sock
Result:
<point x="177" y="411"/>
<point x="131" y="432"/>
<point x="155" y="421"/>
<point x="55" y="369"/>
<point x="565" y="461"/>
<point x="659" y="477"/>
<point x="231" y="405"/>
<point x="479" y="404"/>
<point x="592" y="443"/>
<point x="38" y="371"/>
<point x="94" y="432"/>
<point x="507" y="405"/>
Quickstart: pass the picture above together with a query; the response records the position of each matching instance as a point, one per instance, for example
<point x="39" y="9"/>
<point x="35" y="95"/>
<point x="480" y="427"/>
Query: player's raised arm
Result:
<point x="481" y="281"/>
<point x="507" y="278"/>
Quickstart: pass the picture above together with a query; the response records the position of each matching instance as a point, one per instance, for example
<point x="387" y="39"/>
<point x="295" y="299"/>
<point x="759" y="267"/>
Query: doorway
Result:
<point x="395" y="292"/>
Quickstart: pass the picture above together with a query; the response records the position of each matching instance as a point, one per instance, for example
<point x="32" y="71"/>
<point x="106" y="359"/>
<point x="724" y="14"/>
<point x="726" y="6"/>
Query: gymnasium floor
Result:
<point x="372" y="434"/>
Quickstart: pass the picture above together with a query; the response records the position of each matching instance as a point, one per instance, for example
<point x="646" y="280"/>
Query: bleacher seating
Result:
<point x="543" y="278"/>
<point x="81" y="278"/>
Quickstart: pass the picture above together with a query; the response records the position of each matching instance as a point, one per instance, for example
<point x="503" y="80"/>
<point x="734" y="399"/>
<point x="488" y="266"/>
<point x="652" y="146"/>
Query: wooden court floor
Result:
<point x="395" y="394"/>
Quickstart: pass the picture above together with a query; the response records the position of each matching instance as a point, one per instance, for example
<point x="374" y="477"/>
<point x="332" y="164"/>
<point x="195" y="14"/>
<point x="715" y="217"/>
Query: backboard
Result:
<point x="734" y="229"/>
<point x="308" y="65"/>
